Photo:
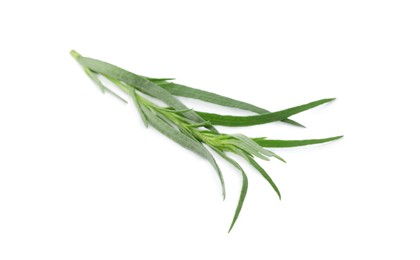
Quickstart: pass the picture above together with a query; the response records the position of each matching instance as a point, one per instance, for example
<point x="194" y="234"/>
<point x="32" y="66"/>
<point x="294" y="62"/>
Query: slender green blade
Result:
<point x="185" y="141"/>
<point x="183" y="125"/>
<point x="228" y="120"/>
<point x="189" y="92"/>
<point x="292" y="143"/>
<point x="244" y="188"/>
<point x="264" y="174"/>
<point x="139" y="82"/>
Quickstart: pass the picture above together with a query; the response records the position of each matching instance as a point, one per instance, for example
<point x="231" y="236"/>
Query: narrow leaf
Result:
<point x="264" y="174"/>
<point x="228" y="120"/>
<point x="189" y="92"/>
<point x="292" y="143"/>
<point x="244" y="188"/>
<point x="140" y="83"/>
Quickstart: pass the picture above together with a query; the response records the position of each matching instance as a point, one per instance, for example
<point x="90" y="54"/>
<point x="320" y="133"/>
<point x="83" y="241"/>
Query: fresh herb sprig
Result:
<point x="194" y="129"/>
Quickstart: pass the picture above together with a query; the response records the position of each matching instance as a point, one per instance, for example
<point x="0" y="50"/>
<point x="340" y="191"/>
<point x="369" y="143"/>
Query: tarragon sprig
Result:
<point x="195" y="130"/>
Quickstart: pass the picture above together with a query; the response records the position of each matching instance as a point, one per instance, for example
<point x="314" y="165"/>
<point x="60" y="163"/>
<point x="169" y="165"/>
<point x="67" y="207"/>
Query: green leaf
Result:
<point x="228" y="120"/>
<point x="185" y="91"/>
<point x="184" y="140"/>
<point x="140" y="83"/>
<point x="244" y="188"/>
<point x="184" y="125"/>
<point x="292" y="143"/>
<point x="264" y="174"/>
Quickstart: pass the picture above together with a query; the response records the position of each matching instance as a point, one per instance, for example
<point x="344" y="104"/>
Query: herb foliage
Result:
<point x="194" y="129"/>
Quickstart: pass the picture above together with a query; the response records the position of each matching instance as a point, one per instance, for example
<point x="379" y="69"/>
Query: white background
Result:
<point x="81" y="177"/>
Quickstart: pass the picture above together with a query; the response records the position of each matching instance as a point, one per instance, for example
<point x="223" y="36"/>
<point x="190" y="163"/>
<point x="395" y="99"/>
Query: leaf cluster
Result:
<point x="196" y="130"/>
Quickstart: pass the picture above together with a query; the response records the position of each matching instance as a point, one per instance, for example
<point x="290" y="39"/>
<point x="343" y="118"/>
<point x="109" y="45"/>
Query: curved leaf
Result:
<point x="189" y="92"/>
<point x="228" y="120"/>
<point x="140" y="83"/>
<point x="244" y="188"/>
<point x="264" y="174"/>
<point x="292" y="143"/>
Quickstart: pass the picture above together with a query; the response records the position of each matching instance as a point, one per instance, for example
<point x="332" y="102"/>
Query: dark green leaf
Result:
<point x="244" y="188"/>
<point x="185" y="91"/>
<point x="292" y="143"/>
<point x="264" y="174"/>
<point x="228" y="120"/>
